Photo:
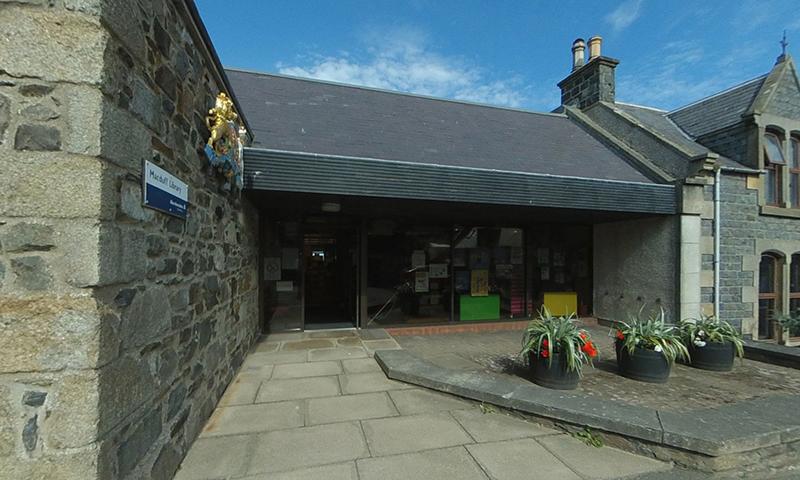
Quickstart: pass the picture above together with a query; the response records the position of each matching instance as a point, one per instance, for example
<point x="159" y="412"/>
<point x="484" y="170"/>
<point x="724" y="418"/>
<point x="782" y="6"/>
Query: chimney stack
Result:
<point x="590" y="81"/>
<point x="594" y="47"/>
<point x="578" y="47"/>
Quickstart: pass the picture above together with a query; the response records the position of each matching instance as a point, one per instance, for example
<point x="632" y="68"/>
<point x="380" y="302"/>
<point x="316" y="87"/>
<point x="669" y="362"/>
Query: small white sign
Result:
<point x="418" y="258"/>
<point x="438" y="270"/>
<point x="285" y="286"/>
<point x="272" y="269"/>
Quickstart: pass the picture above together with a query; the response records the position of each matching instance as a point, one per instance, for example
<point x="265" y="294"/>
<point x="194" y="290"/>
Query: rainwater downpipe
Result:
<point x="718" y="220"/>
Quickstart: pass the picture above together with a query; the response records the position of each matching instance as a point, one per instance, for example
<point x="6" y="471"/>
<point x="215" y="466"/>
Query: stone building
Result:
<point x="121" y="325"/>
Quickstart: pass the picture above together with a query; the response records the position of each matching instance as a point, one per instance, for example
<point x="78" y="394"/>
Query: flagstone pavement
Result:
<point x="317" y="405"/>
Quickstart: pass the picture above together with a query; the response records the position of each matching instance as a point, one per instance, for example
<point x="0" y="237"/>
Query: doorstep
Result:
<point x="468" y="327"/>
<point x="736" y="437"/>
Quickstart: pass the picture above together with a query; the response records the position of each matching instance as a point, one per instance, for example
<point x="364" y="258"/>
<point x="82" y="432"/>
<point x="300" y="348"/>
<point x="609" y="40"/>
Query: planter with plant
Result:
<point x="648" y="347"/>
<point x="557" y="350"/>
<point x="712" y="344"/>
<point x="784" y="327"/>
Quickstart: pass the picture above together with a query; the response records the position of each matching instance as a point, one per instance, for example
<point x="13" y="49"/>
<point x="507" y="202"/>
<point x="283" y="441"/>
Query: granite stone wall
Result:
<point x="120" y="326"/>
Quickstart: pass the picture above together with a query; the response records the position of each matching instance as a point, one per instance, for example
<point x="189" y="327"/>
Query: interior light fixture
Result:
<point x="331" y="207"/>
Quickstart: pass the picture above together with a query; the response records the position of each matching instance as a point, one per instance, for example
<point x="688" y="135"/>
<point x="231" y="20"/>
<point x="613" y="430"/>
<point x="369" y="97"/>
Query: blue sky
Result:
<point x="509" y="53"/>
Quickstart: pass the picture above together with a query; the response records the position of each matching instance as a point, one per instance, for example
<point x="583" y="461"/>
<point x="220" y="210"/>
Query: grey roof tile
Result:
<point x="658" y="121"/>
<point x="717" y="111"/>
<point x="310" y="116"/>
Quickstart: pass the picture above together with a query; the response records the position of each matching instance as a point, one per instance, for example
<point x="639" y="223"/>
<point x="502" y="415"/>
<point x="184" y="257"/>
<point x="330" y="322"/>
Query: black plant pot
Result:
<point x="555" y="375"/>
<point x="644" y="365"/>
<point x="715" y="356"/>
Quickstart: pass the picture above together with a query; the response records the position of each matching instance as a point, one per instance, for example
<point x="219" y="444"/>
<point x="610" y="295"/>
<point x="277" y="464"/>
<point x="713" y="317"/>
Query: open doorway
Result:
<point x="331" y="276"/>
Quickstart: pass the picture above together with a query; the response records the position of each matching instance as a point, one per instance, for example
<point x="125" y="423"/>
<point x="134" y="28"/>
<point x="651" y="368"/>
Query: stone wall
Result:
<point x="635" y="265"/>
<point x="120" y="326"/>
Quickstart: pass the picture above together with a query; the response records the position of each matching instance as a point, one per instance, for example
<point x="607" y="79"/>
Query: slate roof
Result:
<point x="658" y="121"/>
<point x="717" y="111"/>
<point x="301" y="115"/>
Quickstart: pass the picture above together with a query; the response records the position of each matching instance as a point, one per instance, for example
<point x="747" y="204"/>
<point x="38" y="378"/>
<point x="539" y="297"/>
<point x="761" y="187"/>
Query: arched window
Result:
<point x="773" y="161"/>
<point x="794" y="173"/>
<point x="769" y="284"/>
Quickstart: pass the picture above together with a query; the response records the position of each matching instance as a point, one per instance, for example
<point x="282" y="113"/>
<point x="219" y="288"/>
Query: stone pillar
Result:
<point x="690" y="264"/>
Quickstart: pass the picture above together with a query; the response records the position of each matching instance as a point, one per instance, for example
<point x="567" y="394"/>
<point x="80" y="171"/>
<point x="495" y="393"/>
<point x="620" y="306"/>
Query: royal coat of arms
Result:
<point x="225" y="146"/>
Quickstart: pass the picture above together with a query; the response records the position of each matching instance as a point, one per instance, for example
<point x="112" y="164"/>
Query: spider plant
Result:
<point x="652" y="333"/>
<point x="709" y="329"/>
<point x="547" y="335"/>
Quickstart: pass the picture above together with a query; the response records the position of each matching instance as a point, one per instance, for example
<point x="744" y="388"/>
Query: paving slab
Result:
<point x="350" y="407"/>
<point x="447" y="463"/>
<point x="339" y="353"/>
<point x="261" y="417"/>
<point x="336" y="471"/>
<point x="522" y="459"/>
<point x="254" y="373"/>
<point x="368" y="382"/>
<point x="298" y="389"/>
<point x="592" y="462"/>
<point x="417" y="400"/>
<point x="349" y="342"/>
<point x="266" y="347"/>
<point x="216" y="458"/>
<point x="361" y="365"/>
<point x="307" y="344"/>
<point x="282" y="337"/>
<point x="286" y="450"/>
<point x="239" y="393"/>
<point x="374" y="345"/>
<point x="388" y="436"/>
<point x="373" y="334"/>
<point x="332" y="334"/>
<point x="493" y="427"/>
<point x="275" y="358"/>
<point x="301" y="370"/>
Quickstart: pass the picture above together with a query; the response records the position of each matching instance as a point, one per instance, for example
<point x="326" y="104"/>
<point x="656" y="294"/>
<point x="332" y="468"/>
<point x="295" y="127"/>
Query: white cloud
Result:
<point x="403" y="60"/>
<point x="624" y="15"/>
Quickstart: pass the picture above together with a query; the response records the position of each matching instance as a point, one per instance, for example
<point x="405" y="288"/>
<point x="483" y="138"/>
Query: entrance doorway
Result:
<point x="331" y="276"/>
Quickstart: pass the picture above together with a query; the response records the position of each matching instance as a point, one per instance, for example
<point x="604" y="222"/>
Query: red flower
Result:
<point x="583" y="336"/>
<point x="620" y="335"/>
<point x="589" y="349"/>
<point x="545" y="344"/>
<point x="545" y="353"/>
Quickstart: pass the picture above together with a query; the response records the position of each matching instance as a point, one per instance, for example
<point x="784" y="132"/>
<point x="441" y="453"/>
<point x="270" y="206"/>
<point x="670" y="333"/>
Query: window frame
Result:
<point x="775" y="166"/>
<point x="774" y="297"/>
<point x="794" y="170"/>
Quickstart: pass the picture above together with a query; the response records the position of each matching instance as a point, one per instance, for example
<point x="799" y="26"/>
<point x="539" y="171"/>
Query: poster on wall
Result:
<point x="504" y="271"/>
<point x="558" y="259"/>
<point x="438" y="270"/>
<point x="479" y="258"/>
<point x="289" y="258"/>
<point x="479" y="285"/>
<point x="421" y="282"/>
<point x="545" y="273"/>
<point x="418" y="258"/>
<point x="462" y="280"/>
<point x="272" y="269"/>
<point x="559" y="276"/>
<point x="517" y="256"/>
<point x="543" y="256"/>
<point x="287" y="286"/>
<point x="459" y="258"/>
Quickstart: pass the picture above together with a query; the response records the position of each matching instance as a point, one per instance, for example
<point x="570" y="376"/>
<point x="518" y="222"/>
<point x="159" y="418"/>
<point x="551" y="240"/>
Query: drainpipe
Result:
<point x="718" y="220"/>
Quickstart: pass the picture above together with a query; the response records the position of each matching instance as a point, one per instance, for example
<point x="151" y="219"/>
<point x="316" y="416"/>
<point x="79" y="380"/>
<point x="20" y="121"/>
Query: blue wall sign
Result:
<point x="163" y="191"/>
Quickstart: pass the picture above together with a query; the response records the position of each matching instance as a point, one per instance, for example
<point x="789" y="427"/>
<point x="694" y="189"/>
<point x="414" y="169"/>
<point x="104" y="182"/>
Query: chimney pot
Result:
<point x="594" y="47"/>
<point x="578" y="48"/>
